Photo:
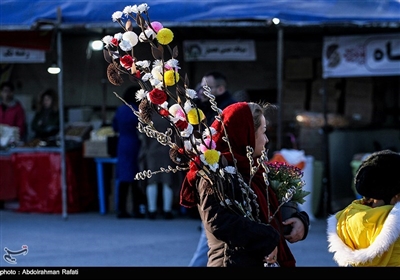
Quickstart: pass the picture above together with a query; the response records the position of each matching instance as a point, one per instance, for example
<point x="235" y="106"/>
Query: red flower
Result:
<point x="163" y="112"/>
<point x="137" y="74"/>
<point x="181" y="124"/>
<point x="114" y="41"/>
<point x="157" y="96"/>
<point x="126" y="61"/>
<point x="196" y="162"/>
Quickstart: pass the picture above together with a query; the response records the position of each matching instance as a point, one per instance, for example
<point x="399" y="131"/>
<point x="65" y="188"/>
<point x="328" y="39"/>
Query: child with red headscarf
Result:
<point x="251" y="237"/>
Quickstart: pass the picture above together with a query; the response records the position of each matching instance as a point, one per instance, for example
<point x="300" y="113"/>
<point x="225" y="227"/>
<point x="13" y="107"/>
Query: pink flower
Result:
<point x="208" y="144"/>
<point x="286" y="181"/>
<point x="156" y="26"/>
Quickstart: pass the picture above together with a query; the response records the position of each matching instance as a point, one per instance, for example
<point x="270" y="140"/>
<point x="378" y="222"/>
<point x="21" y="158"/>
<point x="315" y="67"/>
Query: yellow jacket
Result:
<point x="360" y="235"/>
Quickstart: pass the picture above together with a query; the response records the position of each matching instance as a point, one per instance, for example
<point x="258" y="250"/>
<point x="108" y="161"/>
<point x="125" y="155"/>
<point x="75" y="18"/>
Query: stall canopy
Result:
<point x="24" y="14"/>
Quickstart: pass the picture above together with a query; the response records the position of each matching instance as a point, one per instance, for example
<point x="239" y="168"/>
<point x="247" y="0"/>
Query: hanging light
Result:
<point x="276" y="21"/>
<point x="54" y="69"/>
<point x="97" y="45"/>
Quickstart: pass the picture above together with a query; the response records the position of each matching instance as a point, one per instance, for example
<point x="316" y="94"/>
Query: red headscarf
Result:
<point x="239" y="125"/>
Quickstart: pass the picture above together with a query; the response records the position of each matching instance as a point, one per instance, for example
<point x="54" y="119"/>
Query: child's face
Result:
<point x="372" y="202"/>
<point x="377" y="202"/>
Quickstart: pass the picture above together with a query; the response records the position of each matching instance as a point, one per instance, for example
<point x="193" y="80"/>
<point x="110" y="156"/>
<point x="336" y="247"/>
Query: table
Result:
<point x="36" y="173"/>
<point x="100" y="161"/>
<point x="8" y="186"/>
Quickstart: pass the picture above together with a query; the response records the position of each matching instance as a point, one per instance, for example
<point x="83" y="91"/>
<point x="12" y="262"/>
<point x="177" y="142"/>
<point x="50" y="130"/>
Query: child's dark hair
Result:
<point x="378" y="176"/>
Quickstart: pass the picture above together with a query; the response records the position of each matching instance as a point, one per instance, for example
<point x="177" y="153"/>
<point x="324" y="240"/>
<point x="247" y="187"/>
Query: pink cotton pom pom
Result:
<point x="209" y="144"/>
<point x="156" y="26"/>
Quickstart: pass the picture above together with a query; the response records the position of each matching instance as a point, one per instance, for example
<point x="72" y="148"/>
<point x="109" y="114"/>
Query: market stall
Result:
<point x="32" y="176"/>
<point x="23" y="15"/>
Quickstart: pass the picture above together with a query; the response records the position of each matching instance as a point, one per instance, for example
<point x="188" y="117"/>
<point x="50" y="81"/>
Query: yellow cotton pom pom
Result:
<point x="211" y="156"/>
<point x="195" y="116"/>
<point x="165" y="36"/>
<point x="171" y="77"/>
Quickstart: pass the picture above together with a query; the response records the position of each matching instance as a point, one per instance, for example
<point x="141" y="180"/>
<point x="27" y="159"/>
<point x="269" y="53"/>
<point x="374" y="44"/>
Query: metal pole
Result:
<point x="326" y="200"/>
<point x="279" y="87"/>
<point x="61" y="115"/>
<point x="104" y="83"/>
<point x="104" y="104"/>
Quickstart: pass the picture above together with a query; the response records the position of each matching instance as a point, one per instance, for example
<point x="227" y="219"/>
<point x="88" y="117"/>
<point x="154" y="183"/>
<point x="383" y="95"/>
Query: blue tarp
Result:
<point x="22" y="14"/>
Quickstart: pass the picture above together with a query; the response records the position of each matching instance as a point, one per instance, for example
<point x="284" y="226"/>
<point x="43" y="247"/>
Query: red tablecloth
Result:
<point x="8" y="186"/>
<point x="38" y="176"/>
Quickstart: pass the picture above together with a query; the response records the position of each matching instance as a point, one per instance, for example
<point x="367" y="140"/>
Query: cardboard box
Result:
<point x="78" y="131"/>
<point x="359" y="112"/>
<point x="291" y="110"/>
<point x="92" y="149"/>
<point x="80" y="114"/>
<point x="360" y="87"/>
<point x="332" y="92"/>
<point x="317" y="120"/>
<point x="358" y="101"/>
<point x="310" y="140"/>
<point x="299" y="68"/>
<point x="294" y="92"/>
<point x="293" y="99"/>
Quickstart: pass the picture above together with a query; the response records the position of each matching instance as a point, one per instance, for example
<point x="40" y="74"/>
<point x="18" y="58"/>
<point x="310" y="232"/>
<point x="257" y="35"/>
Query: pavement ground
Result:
<point x="89" y="245"/>
<point x="94" y="240"/>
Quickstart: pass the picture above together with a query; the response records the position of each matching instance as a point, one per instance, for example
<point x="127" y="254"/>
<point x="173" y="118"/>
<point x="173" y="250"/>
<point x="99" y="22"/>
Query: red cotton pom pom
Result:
<point x="157" y="96"/>
<point x="163" y="112"/>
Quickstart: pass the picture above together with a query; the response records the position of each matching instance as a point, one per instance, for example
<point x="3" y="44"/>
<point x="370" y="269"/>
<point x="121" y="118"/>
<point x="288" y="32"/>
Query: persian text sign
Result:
<point x="18" y="55"/>
<point x="364" y="55"/>
<point x="216" y="50"/>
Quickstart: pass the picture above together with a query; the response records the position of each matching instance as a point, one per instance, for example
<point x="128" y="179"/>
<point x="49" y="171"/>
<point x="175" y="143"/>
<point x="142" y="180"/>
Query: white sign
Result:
<point x="364" y="55"/>
<point x="218" y="50"/>
<point x="19" y="55"/>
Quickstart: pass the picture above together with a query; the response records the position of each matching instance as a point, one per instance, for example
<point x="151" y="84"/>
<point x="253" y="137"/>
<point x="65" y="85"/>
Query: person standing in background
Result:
<point x="11" y="111"/>
<point x="46" y="122"/>
<point x="152" y="156"/>
<point x="218" y="86"/>
<point x="124" y="123"/>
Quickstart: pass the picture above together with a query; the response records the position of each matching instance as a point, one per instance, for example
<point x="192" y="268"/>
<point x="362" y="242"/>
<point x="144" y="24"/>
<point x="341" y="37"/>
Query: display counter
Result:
<point x="34" y="178"/>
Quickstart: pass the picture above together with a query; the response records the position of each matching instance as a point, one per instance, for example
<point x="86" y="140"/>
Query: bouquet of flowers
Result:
<point x="166" y="92"/>
<point x="286" y="181"/>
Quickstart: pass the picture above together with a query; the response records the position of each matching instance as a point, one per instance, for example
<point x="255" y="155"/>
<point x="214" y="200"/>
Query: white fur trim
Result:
<point x="344" y="255"/>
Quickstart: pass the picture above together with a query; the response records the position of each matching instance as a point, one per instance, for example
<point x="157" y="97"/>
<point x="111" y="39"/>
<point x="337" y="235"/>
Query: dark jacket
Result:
<point x="234" y="240"/>
<point x="223" y="100"/>
<point x="46" y="123"/>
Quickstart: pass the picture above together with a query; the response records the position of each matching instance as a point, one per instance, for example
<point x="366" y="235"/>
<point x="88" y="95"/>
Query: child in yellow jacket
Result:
<point x="367" y="232"/>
